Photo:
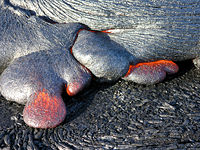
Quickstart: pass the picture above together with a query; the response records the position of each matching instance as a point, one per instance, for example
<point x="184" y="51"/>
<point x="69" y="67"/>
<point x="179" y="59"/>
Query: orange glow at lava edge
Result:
<point x="73" y="88"/>
<point x="161" y="62"/>
<point x="44" y="110"/>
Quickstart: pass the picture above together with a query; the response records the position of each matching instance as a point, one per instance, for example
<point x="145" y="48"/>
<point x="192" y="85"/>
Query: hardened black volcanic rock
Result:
<point x="123" y="115"/>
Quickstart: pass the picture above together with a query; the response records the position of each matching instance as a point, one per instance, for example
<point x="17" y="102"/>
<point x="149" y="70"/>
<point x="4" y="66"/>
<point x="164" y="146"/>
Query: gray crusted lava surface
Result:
<point x="124" y="115"/>
<point x="31" y="49"/>
<point x="150" y="30"/>
<point x="105" y="58"/>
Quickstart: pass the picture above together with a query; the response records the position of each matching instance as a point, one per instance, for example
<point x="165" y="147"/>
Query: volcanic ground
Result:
<point x="122" y="115"/>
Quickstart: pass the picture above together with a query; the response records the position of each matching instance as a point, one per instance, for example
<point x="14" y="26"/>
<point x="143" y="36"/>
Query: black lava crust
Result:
<point x="124" y="115"/>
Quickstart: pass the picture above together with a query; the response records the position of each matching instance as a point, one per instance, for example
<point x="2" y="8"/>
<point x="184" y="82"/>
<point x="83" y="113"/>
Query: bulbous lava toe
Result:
<point x="44" y="110"/>
<point x="151" y="72"/>
<point x="75" y="76"/>
<point x="105" y="58"/>
<point x="38" y="79"/>
<point x="74" y="88"/>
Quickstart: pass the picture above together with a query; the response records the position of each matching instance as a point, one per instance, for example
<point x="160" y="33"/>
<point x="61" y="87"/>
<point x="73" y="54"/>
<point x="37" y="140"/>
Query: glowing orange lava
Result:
<point x="73" y="88"/>
<point x="165" y="63"/>
<point x="44" y="110"/>
<point x="106" y="31"/>
<point x="44" y="100"/>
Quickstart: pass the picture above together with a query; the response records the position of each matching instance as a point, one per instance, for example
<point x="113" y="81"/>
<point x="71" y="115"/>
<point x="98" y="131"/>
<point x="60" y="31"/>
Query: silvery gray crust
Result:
<point x="105" y="58"/>
<point x="20" y="35"/>
<point x="36" y="62"/>
<point x="33" y="73"/>
<point x="149" y="30"/>
<point x="136" y="31"/>
<point x="37" y="56"/>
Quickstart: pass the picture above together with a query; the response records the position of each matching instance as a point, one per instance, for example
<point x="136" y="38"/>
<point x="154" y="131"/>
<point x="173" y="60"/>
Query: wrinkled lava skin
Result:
<point x="138" y="42"/>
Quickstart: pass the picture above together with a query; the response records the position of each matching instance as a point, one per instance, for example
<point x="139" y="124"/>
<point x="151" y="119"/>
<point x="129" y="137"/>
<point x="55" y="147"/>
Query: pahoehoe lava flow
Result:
<point x="40" y="59"/>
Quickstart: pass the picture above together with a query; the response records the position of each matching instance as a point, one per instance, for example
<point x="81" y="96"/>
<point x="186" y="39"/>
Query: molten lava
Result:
<point x="44" y="111"/>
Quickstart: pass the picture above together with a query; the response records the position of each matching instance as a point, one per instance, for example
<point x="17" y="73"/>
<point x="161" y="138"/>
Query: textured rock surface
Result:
<point x="105" y="58"/>
<point x="124" y="115"/>
<point x="43" y="46"/>
<point x="37" y="58"/>
<point x="21" y="36"/>
<point x="119" y="116"/>
<point x="161" y="29"/>
<point x="152" y="72"/>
